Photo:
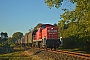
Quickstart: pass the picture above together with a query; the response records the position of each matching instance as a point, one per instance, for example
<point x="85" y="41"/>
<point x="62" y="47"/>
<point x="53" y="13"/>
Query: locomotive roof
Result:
<point x="46" y="25"/>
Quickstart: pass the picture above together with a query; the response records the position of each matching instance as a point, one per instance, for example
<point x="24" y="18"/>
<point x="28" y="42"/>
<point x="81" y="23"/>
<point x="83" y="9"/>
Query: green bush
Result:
<point x="75" y="42"/>
<point x="69" y="43"/>
<point x="12" y="45"/>
<point x="1" y="45"/>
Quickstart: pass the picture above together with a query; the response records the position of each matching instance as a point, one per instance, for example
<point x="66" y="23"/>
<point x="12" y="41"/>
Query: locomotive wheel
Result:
<point x="54" y="47"/>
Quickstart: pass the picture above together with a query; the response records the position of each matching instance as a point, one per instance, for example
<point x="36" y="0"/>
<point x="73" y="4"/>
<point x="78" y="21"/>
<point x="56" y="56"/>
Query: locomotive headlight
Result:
<point x="51" y="28"/>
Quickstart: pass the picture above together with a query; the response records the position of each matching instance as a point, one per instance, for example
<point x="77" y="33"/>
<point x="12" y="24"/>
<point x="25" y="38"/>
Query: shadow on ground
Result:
<point x="37" y="52"/>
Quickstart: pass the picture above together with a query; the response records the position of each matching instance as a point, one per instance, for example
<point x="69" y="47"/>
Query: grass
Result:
<point x="16" y="55"/>
<point x="19" y="48"/>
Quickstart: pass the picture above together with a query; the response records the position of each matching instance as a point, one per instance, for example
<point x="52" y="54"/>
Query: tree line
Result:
<point x="77" y="23"/>
<point x="8" y="43"/>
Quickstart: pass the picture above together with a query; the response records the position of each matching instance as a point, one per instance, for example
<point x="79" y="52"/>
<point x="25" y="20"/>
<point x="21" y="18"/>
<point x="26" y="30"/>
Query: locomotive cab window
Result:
<point x="44" y="26"/>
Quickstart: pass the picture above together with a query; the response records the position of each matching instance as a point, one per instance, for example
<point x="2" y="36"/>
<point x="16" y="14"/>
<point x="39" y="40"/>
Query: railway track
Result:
<point x="74" y="54"/>
<point x="70" y="55"/>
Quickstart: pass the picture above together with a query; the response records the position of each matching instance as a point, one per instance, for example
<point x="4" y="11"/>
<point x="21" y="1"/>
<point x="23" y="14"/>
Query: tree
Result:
<point x="38" y="25"/>
<point x="54" y="3"/>
<point x="4" y="35"/>
<point x="78" y="21"/>
<point x="3" y="39"/>
<point x="61" y="27"/>
<point x="81" y="12"/>
<point x="55" y="24"/>
<point x="10" y="40"/>
<point x="17" y="35"/>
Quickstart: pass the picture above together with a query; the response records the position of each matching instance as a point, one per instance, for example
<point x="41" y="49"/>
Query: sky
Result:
<point x="21" y="15"/>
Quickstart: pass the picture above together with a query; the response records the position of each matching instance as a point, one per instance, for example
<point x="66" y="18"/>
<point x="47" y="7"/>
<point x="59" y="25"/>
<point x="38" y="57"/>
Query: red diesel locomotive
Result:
<point x="45" y="36"/>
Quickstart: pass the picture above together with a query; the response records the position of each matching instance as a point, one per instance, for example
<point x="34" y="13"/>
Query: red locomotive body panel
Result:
<point x="50" y="33"/>
<point x="39" y="34"/>
<point x="44" y="33"/>
<point x="47" y="30"/>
